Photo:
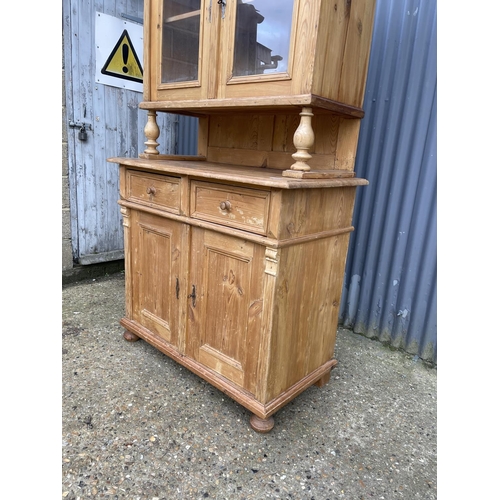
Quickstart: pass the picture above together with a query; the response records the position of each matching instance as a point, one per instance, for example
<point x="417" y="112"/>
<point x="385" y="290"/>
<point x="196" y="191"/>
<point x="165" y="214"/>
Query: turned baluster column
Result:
<point x="303" y="140"/>
<point x="152" y="132"/>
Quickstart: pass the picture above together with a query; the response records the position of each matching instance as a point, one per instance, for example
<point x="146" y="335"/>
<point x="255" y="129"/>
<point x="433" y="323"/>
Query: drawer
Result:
<point x="158" y="191"/>
<point x="241" y="208"/>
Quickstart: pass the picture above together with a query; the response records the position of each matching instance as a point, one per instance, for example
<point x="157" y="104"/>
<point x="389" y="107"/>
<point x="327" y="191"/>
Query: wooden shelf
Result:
<point x="275" y="105"/>
<point x="182" y="17"/>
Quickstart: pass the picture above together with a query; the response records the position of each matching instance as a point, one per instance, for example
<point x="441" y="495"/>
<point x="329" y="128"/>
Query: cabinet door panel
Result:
<point x="180" y="41"/>
<point x="225" y="319"/>
<point x="258" y="40"/>
<point x="262" y="42"/>
<point x="158" y="268"/>
<point x="183" y="42"/>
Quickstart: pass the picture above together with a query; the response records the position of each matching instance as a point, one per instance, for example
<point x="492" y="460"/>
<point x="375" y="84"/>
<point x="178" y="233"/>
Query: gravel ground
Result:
<point x="136" y="425"/>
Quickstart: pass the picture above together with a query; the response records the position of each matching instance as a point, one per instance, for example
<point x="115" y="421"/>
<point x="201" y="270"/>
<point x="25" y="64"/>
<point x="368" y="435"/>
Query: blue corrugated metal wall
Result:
<point x="187" y="135"/>
<point x="391" y="271"/>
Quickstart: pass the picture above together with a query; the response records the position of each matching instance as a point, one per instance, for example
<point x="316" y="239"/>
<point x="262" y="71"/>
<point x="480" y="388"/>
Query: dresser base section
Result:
<point x="262" y="411"/>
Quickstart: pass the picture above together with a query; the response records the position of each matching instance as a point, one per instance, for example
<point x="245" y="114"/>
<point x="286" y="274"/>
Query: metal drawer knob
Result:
<point x="225" y="205"/>
<point x="151" y="190"/>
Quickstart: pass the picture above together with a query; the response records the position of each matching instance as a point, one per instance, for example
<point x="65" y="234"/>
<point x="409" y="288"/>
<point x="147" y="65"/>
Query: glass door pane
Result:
<point x="262" y="37"/>
<point x="180" y="40"/>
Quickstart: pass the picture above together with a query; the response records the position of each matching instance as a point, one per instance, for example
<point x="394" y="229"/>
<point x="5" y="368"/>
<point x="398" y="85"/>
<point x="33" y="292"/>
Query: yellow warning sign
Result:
<point x="123" y="61"/>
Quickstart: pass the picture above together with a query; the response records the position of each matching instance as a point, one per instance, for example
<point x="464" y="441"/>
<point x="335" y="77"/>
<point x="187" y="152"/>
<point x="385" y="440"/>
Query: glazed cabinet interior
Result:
<point x="234" y="257"/>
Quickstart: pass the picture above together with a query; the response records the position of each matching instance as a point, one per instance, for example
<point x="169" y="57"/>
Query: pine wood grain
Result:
<point x="232" y="268"/>
<point x="234" y="173"/>
<point x="356" y="53"/>
<point x="241" y="208"/>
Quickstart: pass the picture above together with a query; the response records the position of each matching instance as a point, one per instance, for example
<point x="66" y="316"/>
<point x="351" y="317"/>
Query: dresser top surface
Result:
<point x="264" y="177"/>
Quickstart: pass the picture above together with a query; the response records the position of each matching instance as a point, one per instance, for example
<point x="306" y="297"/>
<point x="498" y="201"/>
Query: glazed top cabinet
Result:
<point x="209" y="53"/>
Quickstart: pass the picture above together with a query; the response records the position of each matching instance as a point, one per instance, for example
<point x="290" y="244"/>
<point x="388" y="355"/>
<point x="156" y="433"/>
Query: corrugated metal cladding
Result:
<point x="187" y="135"/>
<point x="391" y="271"/>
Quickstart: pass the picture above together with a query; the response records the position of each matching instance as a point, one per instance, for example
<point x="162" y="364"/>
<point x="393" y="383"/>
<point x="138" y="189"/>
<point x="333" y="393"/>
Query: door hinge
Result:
<point x="192" y="296"/>
<point x="222" y="3"/>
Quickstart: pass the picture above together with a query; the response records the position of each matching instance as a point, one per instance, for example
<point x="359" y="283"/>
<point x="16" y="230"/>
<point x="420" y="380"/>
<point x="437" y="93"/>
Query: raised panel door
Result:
<point x="225" y="316"/>
<point x="159" y="275"/>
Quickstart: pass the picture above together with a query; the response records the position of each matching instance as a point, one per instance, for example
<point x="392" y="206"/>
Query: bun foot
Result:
<point x="261" y="425"/>
<point x="130" y="337"/>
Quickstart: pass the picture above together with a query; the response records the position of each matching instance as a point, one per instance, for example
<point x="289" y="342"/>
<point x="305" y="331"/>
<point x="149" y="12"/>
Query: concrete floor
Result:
<point x="136" y="425"/>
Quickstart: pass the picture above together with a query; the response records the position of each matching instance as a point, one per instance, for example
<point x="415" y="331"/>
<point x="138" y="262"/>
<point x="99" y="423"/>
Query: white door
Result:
<point x="113" y="125"/>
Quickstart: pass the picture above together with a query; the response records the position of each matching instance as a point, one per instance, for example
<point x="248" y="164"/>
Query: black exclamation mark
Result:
<point x="125" y="57"/>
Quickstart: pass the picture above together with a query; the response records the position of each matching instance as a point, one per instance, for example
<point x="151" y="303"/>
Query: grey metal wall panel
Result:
<point x="391" y="272"/>
<point x="187" y="135"/>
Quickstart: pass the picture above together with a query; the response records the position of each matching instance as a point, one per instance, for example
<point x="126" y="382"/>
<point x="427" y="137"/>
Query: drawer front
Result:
<point x="241" y="208"/>
<point x="158" y="191"/>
